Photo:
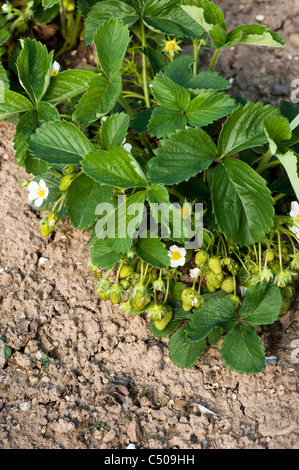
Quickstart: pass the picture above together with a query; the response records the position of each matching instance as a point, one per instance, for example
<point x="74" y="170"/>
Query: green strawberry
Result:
<point x="233" y="268"/>
<point x="125" y="284"/>
<point x="46" y="229"/>
<point x="286" y="303"/>
<point x="125" y="271"/>
<point x="115" y="293"/>
<point x="210" y="287"/>
<point x="140" y="297"/>
<point x="287" y="292"/>
<point x="234" y="299"/>
<point x="270" y="254"/>
<point x="156" y="312"/>
<point x="228" y="285"/>
<point x="266" y="275"/>
<point x="214" y="280"/>
<point x="201" y="258"/>
<point x="188" y="298"/>
<point x="159" y="285"/>
<point x="65" y="182"/>
<point x="161" y="324"/>
<point x="214" y="265"/>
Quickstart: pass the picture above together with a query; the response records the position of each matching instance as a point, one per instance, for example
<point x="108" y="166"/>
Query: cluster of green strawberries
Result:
<point x="146" y="289"/>
<point x="143" y="285"/>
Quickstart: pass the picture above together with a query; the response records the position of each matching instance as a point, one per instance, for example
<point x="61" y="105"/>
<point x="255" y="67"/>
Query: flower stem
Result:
<point x="214" y="59"/>
<point x="144" y="72"/>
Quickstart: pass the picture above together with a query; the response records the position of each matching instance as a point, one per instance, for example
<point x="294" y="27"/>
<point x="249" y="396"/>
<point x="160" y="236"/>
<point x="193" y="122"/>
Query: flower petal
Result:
<point x="32" y="186"/>
<point x="42" y="184"/>
<point x="294" y="209"/>
<point x="38" y="202"/>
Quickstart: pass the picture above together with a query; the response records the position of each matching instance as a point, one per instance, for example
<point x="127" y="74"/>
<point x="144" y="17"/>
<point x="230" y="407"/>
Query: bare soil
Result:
<point x="109" y="381"/>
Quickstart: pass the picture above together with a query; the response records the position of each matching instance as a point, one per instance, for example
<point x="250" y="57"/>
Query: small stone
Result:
<point x="109" y="436"/>
<point x="25" y="406"/>
<point x="294" y="40"/>
<point x="134" y="432"/>
<point x="42" y="260"/>
<point x="271" y="360"/>
<point x="62" y="426"/>
<point x="260" y="18"/>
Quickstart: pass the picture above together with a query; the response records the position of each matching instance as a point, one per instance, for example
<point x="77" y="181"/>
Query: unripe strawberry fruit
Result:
<point x="125" y="271"/>
<point x="115" y="293"/>
<point x="270" y="254"/>
<point x="286" y="303"/>
<point x="234" y="299"/>
<point x="65" y="182"/>
<point x="140" y="297"/>
<point x="187" y="298"/>
<point x="228" y="285"/>
<point x="214" y="265"/>
<point x="161" y="324"/>
<point x="46" y="229"/>
<point x="210" y="287"/>
<point x="213" y="279"/>
<point x="156" y="312"/>
<point x="287" y="292"/>
<point x="201" y="258"/>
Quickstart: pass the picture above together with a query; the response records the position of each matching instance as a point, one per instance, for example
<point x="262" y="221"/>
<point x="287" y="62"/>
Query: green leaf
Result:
<point x="115" y="167"/>
<point x="214" y="312"/>
<point x="207" y="80"/>
<point x="181" y="156"/>
<point x="167" y="17"/>
<point x="245" y="128"/>
<point x="290" y="161"/>
<point x="184" y="352"/>
<point x="111" y="41"/>
<point x="242" y="203"/>
<point x="170" y="94"/>
<point x="34" y="66"/>
<point x="114" y="130"/>
<point x="164" y="122"/>
<point x="84" y="6"/>
<point x="208" y="107"/>
<point x="59" y="142"/>
<point x="68" y="84"/>
<point x="253" y="34"/>
<point x="82" y="198"/>
<point x="4" y="35"/>
<point x="26" y="126"/>
<point x="141" y="119"/>
<point x="49" y="3"/>
<point x="157" y="195"/>
<point x="123" y="222"/>
<point x="278" y="131"/>
<point x="13" y="103"/>
<point x="262" y="304"/>
<point x="153" y="252"/>
<point x="242" y="350"/>
<point x="103" y="11"/>
<point x="179" y="70"/>
<point x="210" y="18"/>
<point x="103" y="256"/>
<point x="98" y="100"/>
<point x="42" y="15"/>
<point x="4" y="80"/>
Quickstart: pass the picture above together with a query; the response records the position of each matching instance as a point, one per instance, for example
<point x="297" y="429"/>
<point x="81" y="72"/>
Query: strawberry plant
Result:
<point x="190" y="196"/>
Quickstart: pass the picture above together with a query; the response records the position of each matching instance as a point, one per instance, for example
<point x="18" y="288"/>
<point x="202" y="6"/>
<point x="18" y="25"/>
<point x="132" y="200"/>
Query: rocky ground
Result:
<point x="82" y="375"/>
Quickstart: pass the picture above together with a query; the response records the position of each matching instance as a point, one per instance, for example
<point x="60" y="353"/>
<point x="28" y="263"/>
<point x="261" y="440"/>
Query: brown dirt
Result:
<point x="112" y="382"/>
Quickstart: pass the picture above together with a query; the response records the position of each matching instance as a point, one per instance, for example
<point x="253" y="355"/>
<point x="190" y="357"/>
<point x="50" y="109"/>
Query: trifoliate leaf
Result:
<point x="242" y="350"/>
<point x="184" y="352"/>
<point x="181" y="156"/>
<point x="262" y="304"/>
<point x="242" y="203"/>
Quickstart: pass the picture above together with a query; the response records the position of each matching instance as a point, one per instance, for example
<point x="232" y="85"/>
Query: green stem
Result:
<point x="167" y="290"/>
<point x="144" y="71"/>
<point x="279" y="249"/>
<point x="126" y="106"/>
<point x="214" y="59"/>
<point x="279" y="196"/>
<point x="265" y="159"/>
<point x="195" y="49"/>
<point x="176" y="193"/>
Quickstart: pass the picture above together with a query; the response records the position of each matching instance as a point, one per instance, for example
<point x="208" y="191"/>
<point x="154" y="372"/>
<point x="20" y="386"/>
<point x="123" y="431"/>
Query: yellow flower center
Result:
<point x="171" y="46"/>
<point x="297" y="219"/>
<point x="176" y="255"/>
<point x="41" y="192"/>
<point x="53" y="73"/>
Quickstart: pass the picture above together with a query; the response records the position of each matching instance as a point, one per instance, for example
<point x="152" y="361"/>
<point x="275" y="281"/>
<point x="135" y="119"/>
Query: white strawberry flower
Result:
<point x="177" y="256"/>
<point x="37" y="192"/>
<point x="55" y="68"/>
<point x="194" y="273"/>
<point x="127" y="147"/>
<point x="295" y="216"/>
